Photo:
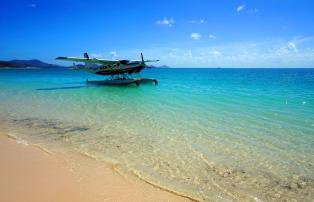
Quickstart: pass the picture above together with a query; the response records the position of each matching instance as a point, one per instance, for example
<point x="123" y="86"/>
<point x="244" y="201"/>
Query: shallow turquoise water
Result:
<point x="210" y="134"/>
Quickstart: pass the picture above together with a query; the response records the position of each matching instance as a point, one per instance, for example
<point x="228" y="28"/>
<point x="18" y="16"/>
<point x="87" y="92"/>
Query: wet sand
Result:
<point x="30" y="174"/>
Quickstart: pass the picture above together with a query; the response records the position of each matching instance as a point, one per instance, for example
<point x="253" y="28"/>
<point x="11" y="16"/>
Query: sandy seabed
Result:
<point x="30" y="174"/>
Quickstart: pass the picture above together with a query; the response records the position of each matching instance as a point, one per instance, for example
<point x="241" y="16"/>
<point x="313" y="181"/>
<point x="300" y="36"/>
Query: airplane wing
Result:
<point x="91" y="60"/>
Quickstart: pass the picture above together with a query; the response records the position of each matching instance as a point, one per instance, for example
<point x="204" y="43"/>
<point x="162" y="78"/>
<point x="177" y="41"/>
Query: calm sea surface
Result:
<point x="209" y="134"/>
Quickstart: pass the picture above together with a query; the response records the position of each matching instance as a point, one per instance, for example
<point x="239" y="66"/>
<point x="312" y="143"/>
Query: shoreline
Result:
<point x="30" y="173"/>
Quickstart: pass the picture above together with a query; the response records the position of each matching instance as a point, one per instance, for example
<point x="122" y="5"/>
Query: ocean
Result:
<point x="220" y="134"/>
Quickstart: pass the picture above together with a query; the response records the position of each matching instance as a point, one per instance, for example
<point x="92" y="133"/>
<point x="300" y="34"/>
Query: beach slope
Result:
<point x="28" y="173"/>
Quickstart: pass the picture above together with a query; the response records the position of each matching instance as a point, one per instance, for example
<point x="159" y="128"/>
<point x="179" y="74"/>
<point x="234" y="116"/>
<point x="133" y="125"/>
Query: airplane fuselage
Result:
<point x="134" y="67"/>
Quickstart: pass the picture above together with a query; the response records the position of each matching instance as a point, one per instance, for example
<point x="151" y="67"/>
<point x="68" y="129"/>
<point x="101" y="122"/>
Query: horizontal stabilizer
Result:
<point x="151" y="61"/>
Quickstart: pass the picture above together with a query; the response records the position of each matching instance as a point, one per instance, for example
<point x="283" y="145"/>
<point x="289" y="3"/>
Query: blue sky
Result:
<point x="199" y="33"/>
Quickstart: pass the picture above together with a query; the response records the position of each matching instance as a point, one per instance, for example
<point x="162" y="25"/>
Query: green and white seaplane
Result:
<point x="117" y="70"/>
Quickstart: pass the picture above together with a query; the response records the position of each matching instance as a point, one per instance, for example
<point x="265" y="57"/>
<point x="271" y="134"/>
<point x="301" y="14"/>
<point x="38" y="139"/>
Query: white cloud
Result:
<point x="264" y="53"/>
<point x="292" y="46"/>
<point x="166" y="22"/>
<point x="240" y="8"/>
<point x="195" y="36"/>
<point x="113" y="54"/>
<point x="216" y="53"/>
<point x="32" y="5"/>
<point x="211" y="36"/>
<point x="188" y="54"/>
<point x="288" y="48"/>
<point x="200" y="21"/>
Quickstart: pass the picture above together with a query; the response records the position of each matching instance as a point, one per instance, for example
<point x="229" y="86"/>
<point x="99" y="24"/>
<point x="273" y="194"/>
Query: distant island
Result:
<point x="34" y="63"/>
<point x="26" y="64"/>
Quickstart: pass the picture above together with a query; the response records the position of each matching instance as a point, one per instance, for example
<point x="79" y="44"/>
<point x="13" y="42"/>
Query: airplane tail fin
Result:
<point x="143" y="62"/>
<point x="86" y="56"/>
<point x="87" y="64"/>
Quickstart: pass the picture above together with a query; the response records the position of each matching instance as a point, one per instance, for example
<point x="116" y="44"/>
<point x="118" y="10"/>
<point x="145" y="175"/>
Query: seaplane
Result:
<point x="119" y="71"/>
